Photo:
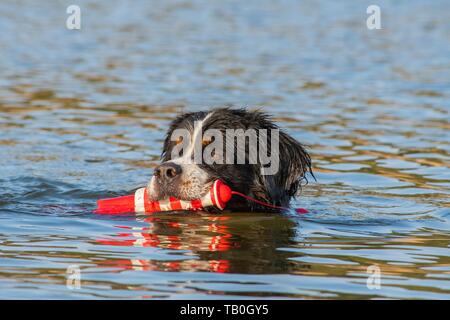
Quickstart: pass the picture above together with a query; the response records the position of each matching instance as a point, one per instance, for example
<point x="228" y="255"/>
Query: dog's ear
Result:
<point x="294" y="164"/>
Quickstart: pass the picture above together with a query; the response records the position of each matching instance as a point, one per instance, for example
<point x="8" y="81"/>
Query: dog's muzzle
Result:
<point x="167" y="172"/>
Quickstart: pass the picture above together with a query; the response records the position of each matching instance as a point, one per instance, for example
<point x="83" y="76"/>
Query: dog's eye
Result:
<point x="179" y="140"/>
<point x="206" y="141"/>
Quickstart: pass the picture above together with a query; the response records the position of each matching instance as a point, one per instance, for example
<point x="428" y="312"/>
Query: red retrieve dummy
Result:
<point x="218" y="196"/>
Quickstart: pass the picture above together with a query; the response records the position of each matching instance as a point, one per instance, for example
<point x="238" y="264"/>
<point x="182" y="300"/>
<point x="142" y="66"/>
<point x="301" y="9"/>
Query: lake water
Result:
<point x="83" y="113"/>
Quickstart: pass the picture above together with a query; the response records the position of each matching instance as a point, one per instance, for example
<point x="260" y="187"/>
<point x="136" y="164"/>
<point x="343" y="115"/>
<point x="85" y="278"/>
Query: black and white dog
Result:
<point x="181" y="175"/>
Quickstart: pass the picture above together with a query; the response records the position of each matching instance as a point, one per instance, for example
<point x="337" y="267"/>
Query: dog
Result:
<point x="180" y="176"/>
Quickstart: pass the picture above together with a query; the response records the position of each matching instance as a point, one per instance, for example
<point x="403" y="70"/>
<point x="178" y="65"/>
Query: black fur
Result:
<point x="277" y="189"/>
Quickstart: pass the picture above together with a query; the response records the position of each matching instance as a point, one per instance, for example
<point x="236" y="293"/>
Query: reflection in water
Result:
<point x="216" y="243"/>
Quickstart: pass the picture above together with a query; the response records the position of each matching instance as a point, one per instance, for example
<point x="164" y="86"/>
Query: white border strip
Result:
<point x="139" y="199"/>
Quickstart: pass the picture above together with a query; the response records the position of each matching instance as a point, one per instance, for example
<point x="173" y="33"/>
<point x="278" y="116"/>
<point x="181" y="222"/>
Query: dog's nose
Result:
<point x="167" y="171"/>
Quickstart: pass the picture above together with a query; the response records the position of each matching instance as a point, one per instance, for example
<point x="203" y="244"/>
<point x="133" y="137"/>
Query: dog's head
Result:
<point x="242" y="148"/>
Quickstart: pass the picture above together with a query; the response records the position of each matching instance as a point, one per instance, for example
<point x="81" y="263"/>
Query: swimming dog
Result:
<point x="243" y="148"/>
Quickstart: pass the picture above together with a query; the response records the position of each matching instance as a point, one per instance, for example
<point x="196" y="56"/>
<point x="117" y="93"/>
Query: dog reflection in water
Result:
<point x="209" y="237"/>
<point x="219" y="243"/>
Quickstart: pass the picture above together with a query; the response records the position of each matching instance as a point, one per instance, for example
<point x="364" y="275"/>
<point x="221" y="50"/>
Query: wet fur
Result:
<point x="277" y="189"/>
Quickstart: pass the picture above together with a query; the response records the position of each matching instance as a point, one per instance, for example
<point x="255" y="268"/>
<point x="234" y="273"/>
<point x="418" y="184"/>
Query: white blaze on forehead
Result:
<point x="187" y="157"/>
<point x="191" y="171"/>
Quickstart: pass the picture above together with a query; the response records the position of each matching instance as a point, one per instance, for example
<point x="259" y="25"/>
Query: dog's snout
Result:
<point x="167" y="171"/>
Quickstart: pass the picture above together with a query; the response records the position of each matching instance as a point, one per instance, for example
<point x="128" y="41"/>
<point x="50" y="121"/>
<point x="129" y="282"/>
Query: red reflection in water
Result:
<point x="219" y="266"/>
<point x="206" y="237"/>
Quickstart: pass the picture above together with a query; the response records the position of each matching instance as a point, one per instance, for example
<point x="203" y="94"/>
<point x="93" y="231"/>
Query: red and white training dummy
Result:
<point x="218" y="196"/>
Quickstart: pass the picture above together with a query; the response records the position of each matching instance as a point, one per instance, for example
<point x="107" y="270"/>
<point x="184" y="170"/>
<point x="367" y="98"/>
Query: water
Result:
<point x="82" y="117"/>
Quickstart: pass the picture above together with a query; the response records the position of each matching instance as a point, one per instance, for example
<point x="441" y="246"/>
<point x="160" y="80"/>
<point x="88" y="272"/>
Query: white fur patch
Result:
<point x="193" y="180"/>
<point x="190" y="170"/>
